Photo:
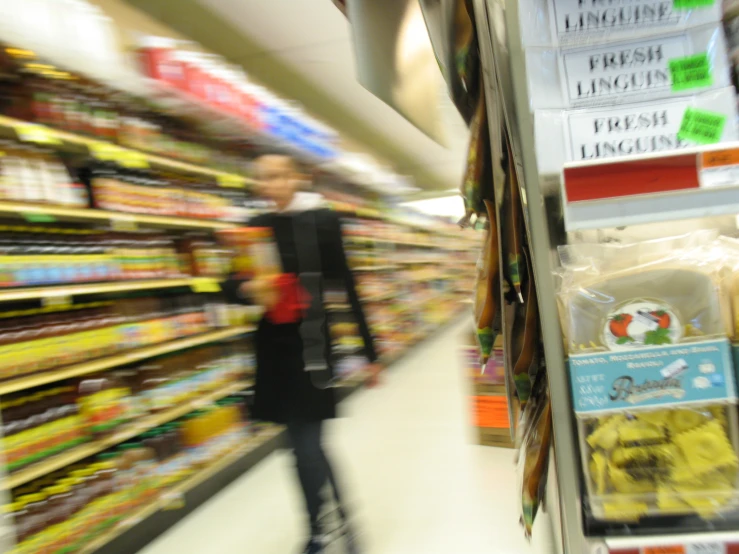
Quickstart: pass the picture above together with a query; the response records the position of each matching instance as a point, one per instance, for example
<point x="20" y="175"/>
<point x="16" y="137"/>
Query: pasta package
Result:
<point x="660" y="462"/>
<point x="653" y="293"/>
<point x="652" y="379"/>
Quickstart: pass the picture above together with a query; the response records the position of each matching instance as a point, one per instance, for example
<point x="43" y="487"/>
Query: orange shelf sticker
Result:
<point x="491" y="411"/>
<point x="720" y="158"/>
<point x="663" y="550"/>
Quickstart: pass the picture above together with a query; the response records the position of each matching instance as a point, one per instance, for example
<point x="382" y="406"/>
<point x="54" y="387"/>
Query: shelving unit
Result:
<point x="30" y="293"/>
<point x="47" y="213"/>
<point x="595" y="195"/>
<point x="129" y="431"/>
<point x="101" y="364"/>
<point x="33" y="132"/>
<point x="178" y="491"/>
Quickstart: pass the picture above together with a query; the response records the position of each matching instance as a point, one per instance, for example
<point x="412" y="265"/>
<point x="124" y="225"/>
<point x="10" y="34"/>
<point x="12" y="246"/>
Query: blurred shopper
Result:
<point x="285" y="391"/>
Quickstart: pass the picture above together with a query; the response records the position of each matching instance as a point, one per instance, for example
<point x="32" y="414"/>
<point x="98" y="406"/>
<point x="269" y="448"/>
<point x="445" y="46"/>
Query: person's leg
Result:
<point x="311" y="463"/>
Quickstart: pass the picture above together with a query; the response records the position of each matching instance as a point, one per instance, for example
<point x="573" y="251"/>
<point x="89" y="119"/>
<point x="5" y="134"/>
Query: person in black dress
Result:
<point x="284" y="391"/>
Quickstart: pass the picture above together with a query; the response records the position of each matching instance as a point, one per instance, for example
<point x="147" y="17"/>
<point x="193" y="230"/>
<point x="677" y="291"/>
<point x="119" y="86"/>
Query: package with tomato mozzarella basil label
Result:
<point x="731" y="279"/>
<point x="663" y="66"/>
<point x="621" y="297"/>
<point x="652" y="379"/>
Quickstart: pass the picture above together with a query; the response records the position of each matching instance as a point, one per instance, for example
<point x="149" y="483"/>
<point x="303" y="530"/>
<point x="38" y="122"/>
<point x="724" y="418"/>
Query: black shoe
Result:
<point x="314" y="546"/>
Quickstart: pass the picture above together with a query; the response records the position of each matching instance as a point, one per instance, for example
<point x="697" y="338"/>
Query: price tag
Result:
<point x="36" y="217"/>
<point x="231" y="181"/>
<point x="706" y="548"/>
<point x="711" y="547"/>
<point x="105" y="151"/>
<point x="133" y="159"/>
<point x="719" y="168"/>
<point x="123" y="223"/>
<point x="701" y="126"/>
<point x="172" y="501"/>
<point x="205" y="284"/>
<point x="30" y="132"/>
<point x="58" y="300"/>
<point x="690" y="72"/>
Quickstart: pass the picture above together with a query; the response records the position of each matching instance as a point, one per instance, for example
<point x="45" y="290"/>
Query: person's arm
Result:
<point x="341" y="268"/>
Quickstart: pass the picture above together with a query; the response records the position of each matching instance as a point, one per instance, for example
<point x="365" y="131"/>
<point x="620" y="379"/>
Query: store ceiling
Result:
<point x="301" y="49"/>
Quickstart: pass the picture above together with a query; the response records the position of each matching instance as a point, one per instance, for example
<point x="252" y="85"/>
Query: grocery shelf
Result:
<point x="108" y="362"/>
<point x="50" y="213"/>
<point x="689" y="183"/>
<point x="177" y="491"/>
<point x="651" y="208"/>
<point x="29" y="293"/>
<point x="74" y="455"/>
<point x="96" y="147"/>
<point x="724" y="542"/>
<point x="368" y="268"/>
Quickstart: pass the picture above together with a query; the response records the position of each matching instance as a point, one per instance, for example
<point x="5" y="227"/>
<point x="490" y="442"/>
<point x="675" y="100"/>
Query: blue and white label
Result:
<point x="656" y="376"/>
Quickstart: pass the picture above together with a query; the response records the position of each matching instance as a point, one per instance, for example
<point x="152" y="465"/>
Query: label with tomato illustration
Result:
<point x="641" y="323"/>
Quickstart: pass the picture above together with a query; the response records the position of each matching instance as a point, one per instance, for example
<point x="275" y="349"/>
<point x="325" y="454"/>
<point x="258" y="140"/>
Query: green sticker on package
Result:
<point x="690" y="72"/>
<point x="690" y="4"/>
<point x="701" y="126"/>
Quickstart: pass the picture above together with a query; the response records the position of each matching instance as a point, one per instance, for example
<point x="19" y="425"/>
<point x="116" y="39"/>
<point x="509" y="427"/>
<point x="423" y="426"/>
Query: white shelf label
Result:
<point x="710" y="547"/>
<point x="706" y="548"/>
<point x="719" y="168"/>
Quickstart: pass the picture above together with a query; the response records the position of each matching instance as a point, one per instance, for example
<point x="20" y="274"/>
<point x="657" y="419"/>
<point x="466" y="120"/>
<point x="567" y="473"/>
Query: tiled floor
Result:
<point x="416" y="482"/>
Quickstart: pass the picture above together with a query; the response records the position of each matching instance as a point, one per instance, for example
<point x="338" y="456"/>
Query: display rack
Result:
<point x="691" y="183"/>
<point x="32" y="132"/>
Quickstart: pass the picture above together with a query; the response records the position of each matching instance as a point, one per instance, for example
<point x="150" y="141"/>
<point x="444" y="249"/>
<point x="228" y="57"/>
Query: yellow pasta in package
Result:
<point x="669" y="461"/>
<point x="647" y="325"/>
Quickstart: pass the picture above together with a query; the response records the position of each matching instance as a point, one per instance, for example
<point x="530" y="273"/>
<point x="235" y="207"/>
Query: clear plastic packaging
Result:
<point x="562" y="22"/>
<point x="629" y="71"/>
<point x="647" y="127"/>
<point x="676" y="461"/>
<point x="731" y="275"/>
<point x="653" y="385"/>
<point x="660" y="292"/>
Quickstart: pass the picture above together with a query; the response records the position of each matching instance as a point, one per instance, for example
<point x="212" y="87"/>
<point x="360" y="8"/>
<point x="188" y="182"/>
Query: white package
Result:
<point x="563" y="22"/>
<point x="587" y="134"/>
<point x="617" y="73"/>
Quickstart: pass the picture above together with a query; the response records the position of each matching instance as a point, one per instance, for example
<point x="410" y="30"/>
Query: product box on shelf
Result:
<point x="652" y="378"/>
<point x="562" y="22"/>
<point x="657" y="429"/>
<point x="632" y="70"/>
<point x="647" y="127"/>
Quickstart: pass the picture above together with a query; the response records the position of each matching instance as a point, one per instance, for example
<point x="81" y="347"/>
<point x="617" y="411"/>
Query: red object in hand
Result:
<point x="293" y="300"/>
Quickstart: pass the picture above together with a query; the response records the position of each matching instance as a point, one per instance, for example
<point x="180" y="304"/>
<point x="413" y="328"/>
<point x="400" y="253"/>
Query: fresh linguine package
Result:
<point x="651" y="374"/>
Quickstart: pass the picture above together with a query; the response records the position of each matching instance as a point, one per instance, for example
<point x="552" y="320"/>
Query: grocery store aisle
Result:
<point x="412" y="474"/>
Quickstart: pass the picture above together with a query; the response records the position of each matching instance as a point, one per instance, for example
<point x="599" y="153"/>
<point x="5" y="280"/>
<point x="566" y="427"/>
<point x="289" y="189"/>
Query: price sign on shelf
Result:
<point x="123" y="223"/>
<point x="104" y="151"/>
<point x="719" y="168"/>
<point x="231" y="181"/>
<point x="172" y="501"/>
<point x="205" y="284"/>
<point x="711" y="547"/>
<point x="58" y="300"/>
<point x="29" y="132"/>
<point x="133" y="159"/>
